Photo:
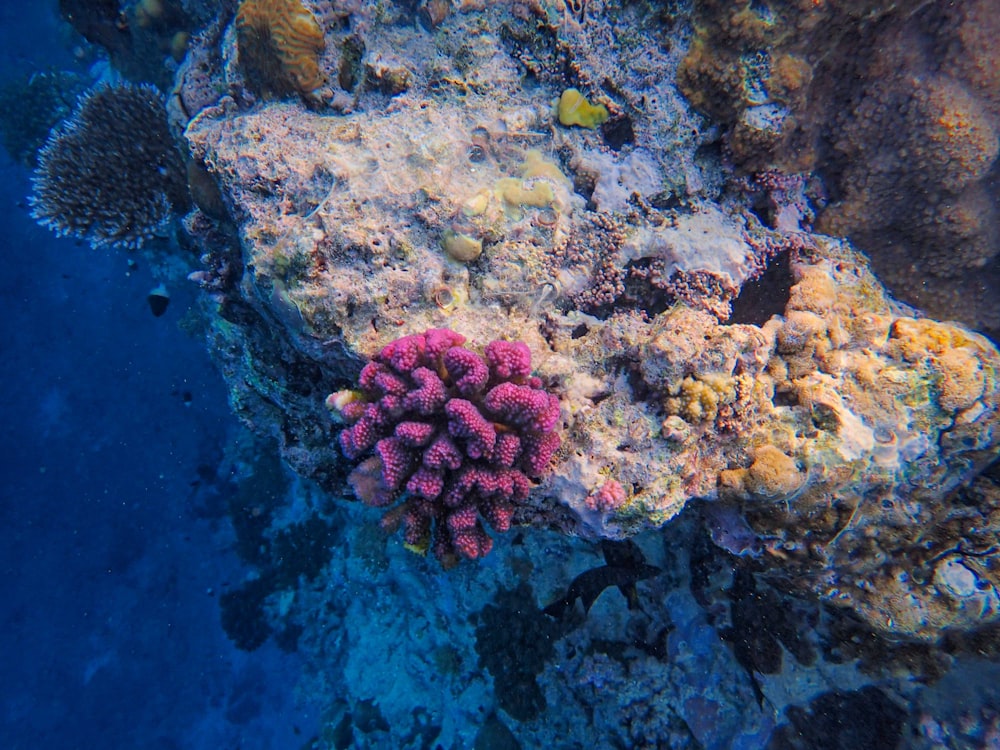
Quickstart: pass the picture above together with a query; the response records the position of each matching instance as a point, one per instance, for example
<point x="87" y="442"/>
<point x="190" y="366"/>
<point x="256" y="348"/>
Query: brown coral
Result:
<point x="897" y="109"/>
<point x="280" y="43"/>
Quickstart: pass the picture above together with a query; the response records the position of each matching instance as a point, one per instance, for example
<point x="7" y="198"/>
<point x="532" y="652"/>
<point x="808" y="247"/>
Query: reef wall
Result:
<point x="530" y="171"/>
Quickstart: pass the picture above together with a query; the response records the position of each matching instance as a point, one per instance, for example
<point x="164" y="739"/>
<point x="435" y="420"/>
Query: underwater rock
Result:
<point x="865" y="718"/>
<point x="896" y="107"/>
<point x="836" y="428"/>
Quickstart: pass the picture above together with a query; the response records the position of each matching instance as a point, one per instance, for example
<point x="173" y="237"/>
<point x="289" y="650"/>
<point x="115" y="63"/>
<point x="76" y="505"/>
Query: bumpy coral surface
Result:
<point x="110" y="174"/>
<point x="434" y="190"/>
<point x="458" y="436"/>
<point x="915" y="157"/>
<point x="895" y="106"/>
<point x="280" y="42"/>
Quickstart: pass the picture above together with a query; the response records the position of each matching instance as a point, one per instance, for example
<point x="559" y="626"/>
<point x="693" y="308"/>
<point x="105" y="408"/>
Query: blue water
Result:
<point x="109" y="567"/>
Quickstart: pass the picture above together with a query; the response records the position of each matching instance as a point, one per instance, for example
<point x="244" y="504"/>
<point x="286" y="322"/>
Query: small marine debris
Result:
<point x="158" y="299"/>
<point x="625" y="566"/>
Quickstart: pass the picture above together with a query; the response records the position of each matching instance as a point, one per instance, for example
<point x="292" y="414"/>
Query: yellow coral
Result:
<point x="699" y="399"/>
<point x="515" y="192"/>
<point x="535" y="165"/>
<point x="461" y="247"/>
<point x="477" y="204"/>
<point x="954" y="355"/>
<point x="280" y="43"/>
<point x="772" y="474"/>
<point x="963" y="381"/>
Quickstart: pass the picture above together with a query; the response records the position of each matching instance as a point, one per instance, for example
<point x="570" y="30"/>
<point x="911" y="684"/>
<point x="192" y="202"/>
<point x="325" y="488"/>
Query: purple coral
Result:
<point x="456" y="436"/>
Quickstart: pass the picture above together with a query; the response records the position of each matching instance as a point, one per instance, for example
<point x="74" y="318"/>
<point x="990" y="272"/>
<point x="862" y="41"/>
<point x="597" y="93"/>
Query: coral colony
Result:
<point x="110" y="174"/>
<point x="462" y="435"/>
<point x="352" y="186"/>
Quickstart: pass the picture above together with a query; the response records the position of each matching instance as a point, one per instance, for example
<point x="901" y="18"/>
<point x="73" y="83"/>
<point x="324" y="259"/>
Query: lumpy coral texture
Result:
<point x="894" y="105"/>
<point x="280" y="43"/>
<point x="704" y="347"/>
<point x="458" y="436"/>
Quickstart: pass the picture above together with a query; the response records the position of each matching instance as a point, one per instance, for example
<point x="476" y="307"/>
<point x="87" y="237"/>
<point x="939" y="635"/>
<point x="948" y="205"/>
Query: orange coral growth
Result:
<point x="280" y="43"/>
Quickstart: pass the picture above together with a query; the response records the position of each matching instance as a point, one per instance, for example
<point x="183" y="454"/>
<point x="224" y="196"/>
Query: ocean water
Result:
<point x="134" y="504"/>
<point x="110" y="567"/>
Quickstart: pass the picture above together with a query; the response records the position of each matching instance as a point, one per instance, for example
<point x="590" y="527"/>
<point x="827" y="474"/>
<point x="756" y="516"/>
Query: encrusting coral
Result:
<point x="574" y="109"/>
<point x="280" y="43"/>
<point x="462" y="436"/>
<point x="110" y="174"/>
<point x="896" y="107"/>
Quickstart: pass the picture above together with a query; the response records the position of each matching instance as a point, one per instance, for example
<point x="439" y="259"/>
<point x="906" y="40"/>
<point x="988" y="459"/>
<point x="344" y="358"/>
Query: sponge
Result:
<point x="574" y="109"/>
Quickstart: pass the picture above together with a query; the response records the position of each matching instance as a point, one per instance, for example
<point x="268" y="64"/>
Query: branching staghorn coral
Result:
<point x="110" y="174"/>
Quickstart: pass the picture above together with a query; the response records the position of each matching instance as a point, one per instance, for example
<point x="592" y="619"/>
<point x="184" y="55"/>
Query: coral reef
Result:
<point x="791" y="476"/>
<point x="895" y="107"/>
<point x="463" y="436"/>
<point x="196" y="82"/>
<point x="695" y="353"/>
<point x="110" y="174"/>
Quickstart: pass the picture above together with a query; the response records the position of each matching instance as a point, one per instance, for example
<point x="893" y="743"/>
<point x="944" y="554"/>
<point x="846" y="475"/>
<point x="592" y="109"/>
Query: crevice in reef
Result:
<point x="767" y="295"/>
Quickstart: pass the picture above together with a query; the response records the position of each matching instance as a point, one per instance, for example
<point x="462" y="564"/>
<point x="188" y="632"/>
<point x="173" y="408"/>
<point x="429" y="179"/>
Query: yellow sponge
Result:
<point x="574" y="109"/>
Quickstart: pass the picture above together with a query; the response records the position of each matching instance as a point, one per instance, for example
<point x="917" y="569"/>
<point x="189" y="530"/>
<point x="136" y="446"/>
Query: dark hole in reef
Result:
<point x="785" y="398"/>
<point x="666" y="201"/>
<point x="580" y="331"/>
<point x="710" y="153"/>
<point x="640" y="291"/>
<point x="763" y="209"/>
<point x="640" y="391"/>
<point x="765" y="296"/>
<point x="618" y="133"/>
<point x="762" y="9"/>
<point x="584" y="184"/>
<point x="476" y="154"/>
